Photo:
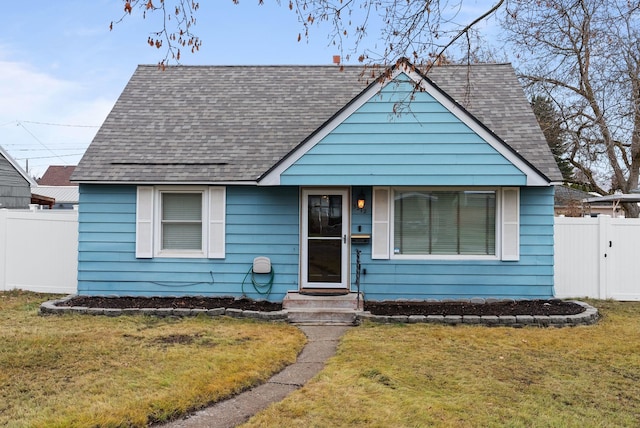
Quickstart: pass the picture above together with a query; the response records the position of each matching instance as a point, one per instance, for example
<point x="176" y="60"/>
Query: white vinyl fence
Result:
<point x="597" y="257"/>
<point x="39" y="250"/>
<point x="594" y="257"/>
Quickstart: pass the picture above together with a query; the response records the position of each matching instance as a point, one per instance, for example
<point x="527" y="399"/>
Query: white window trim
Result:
<point x="158" y="251"/>
<point x="498" y="228"/>
<point x="149" y="224"/>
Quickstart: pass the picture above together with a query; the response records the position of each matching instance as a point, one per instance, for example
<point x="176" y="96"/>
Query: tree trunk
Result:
<point x="631" y="210"/>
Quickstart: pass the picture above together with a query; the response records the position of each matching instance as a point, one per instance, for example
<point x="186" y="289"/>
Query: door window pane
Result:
<point x="325" y="215"/>
<point x="325" y="260"/>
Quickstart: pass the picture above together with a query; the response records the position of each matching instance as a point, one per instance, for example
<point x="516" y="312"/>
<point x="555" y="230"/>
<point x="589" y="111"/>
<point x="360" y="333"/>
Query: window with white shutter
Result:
<point x="180" y="221"/>
<point x="437" y="223"/>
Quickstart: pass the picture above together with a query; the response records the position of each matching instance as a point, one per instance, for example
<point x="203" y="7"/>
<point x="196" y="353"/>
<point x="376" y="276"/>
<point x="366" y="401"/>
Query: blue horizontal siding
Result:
<point x="259" y="222"/>
<point x="423" y="146"/>
<point x="376" y="179"/>
<point x="383" y="105"/>
<point x="452" y="170"/>
<point x="416" y="160"/>
<point x="528" y="278"/>
<point x="411" y="143"/>
<point x="107" y="263"/>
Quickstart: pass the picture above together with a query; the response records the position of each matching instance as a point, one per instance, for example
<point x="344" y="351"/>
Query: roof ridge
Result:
<point x="481" y="64"/>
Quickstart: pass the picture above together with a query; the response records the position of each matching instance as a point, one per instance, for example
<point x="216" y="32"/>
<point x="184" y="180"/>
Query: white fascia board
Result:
<point x="534" y="178"/>
<point x="172" y="183"/>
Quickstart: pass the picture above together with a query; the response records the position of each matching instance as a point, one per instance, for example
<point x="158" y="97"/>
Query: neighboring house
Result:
<point x="15" y="183"/>
<point x="570" y="202"/>
<point x="58" y="175"/>
<point x="55" y="184"/>
<point x="198" y="170"/>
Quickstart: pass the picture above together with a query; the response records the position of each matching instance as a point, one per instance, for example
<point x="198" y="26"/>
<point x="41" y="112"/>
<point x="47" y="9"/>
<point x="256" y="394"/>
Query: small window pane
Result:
<point x="182" y="236"/>
<point x="182" y="206"/>
<point x="477" y="224"/>
<point x="181" y="221"/>
<point x="412" y="217"/>
<point x="445" y="219"/>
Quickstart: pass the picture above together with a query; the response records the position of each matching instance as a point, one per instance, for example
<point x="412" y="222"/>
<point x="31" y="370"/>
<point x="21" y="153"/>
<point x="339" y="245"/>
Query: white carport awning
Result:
<point x="615" y="200"/>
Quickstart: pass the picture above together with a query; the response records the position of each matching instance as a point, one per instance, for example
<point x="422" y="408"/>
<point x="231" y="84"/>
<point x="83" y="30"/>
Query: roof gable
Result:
<point x="233" y="124"/>
<point x="17" y="167"/>
<point x="382" y="138"/>
<point x="57" y="175"/>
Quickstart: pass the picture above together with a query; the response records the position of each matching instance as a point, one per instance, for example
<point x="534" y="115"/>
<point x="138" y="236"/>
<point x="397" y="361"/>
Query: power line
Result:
<point x="38" y="140"/>
<point x="49" y="157"/>
<point x="60" y="149"/>
<point x="58" y="124"/>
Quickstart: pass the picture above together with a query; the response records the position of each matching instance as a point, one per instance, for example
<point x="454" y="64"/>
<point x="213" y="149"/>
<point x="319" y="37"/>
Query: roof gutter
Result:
<point x="171" y="183"/>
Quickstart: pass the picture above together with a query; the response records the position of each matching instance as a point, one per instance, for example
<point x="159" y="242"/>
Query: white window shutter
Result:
<point x="144" y="222"/>
<point x="217" y="210"/>
<point x="510" y="223"/>
<point x="380" y="229"/>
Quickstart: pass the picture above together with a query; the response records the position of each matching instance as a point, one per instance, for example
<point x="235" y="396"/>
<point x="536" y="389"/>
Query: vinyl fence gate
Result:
<point x="597" y="257"/>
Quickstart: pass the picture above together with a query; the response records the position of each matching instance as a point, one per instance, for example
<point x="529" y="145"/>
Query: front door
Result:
<point x="325" y="247"/>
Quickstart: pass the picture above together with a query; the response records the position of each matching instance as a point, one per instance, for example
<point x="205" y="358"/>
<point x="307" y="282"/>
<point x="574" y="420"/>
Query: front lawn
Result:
<point x="76" y="370"/>
<point x="424" y="375"/>
<point x="83" y="370"/>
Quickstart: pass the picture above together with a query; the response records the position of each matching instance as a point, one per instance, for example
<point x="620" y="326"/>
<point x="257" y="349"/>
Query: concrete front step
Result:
<point x="295" y="300"/>
<point x="322" y="309"/>
<point x="322" y="316"/>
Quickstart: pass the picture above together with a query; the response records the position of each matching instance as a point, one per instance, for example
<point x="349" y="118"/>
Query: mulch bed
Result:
<point x="191" y="302"/>
<point x="518" y="307"/>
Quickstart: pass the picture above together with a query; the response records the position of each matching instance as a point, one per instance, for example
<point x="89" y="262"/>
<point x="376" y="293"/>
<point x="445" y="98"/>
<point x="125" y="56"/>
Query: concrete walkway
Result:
<point x="322" y="344"/>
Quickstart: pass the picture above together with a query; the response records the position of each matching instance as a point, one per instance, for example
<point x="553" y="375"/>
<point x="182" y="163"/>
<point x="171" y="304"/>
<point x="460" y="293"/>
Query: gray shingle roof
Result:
<point x="233" y="123"/>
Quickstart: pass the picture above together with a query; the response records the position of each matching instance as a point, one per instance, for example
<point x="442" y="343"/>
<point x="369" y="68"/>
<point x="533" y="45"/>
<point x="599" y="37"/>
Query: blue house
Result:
<point x="440" y="185"/>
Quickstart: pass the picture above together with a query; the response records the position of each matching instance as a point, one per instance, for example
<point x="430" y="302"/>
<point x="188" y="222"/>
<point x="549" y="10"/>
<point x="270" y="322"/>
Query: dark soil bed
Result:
<point x="191" y="302"/>
<point x="518" y="307"/>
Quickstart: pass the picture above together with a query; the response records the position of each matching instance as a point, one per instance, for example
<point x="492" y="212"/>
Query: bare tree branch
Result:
<point x="585" y="53"/>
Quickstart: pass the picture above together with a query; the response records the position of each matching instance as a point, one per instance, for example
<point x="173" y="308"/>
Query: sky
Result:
<point x="62" y="69"/>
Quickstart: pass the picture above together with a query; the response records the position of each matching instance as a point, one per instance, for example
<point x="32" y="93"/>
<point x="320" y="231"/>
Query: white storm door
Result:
<point x="325" y="244"/>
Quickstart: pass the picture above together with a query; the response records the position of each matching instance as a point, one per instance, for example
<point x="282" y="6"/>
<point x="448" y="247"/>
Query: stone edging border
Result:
<point x="588" y="317"/>
<point x="51" y="308"/>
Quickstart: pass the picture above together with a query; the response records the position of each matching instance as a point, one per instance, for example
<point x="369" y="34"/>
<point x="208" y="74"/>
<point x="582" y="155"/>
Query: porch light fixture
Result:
<point x="361" y="202"/>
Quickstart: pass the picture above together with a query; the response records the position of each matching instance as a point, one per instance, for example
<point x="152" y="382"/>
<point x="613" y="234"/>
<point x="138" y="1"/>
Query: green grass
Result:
<point x="82" y="370"/>
<point x="471" y="376"/>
